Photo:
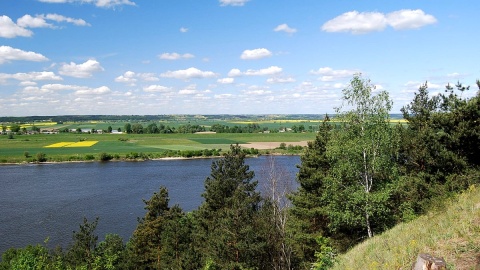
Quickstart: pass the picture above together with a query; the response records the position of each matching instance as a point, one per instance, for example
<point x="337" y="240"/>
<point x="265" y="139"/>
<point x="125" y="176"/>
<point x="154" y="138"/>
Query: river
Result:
<point x="51" y="200"/>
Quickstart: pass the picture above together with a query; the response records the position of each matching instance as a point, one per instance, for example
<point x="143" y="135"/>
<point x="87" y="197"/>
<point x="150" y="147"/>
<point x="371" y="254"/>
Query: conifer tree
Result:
<point x="229" y="214"/>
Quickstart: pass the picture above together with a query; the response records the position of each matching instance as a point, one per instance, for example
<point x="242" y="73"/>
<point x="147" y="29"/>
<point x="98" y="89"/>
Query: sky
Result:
<point x="151" y="57"/>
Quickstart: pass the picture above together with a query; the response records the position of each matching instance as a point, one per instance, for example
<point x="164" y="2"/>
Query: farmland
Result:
<point x="85" y="145"/>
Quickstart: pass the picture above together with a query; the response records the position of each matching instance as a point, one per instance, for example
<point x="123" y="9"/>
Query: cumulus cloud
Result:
<point x="281" y="80"/>
<point x="130" y="77"/>
<point x="233" y="2"/>
<point x="328" y="74"/>
<point x="409" y="19"/>
<point x="356" y="22"/>
<point x="226" y="80"/>
<point x="255" y="54"/>
<point x="188" y="73"/>
<point x="183" y="29"/>
<point x="31" y="76"/>
<point x="127" y="78"/>
<point x="32" y="22"/>
<point x="273" y="70"/>
<point x="156" y="88"/>
<point x="61" y="18"/>
<point x="8" y="54"/>
<point x="102" y="90"/>
<point x="285" y="28"/>
<point x="98" y="3"/>
<point x="84" y="70"/>
<point x="235" y="72"/>
<point x="364" y="22"/>
<point x="189" y="90"/>
<point x="175" y="56"/>
<point x="9" y="29"/>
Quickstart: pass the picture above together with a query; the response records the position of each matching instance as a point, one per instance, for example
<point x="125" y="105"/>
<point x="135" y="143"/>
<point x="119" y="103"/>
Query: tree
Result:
<point x="362" y="152"/>
<point x="309" y="208"/>
<point x="229" y="214"/>
<point x="81" y="253"/>
<point x="128" y="128"/>
<point x="109" y="129"/>
<point x="163" y="238"/>
<point x="275" y="214"/>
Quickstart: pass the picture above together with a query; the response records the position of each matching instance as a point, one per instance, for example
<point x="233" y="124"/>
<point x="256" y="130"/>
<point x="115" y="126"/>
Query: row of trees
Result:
<point x="360" y="176"/>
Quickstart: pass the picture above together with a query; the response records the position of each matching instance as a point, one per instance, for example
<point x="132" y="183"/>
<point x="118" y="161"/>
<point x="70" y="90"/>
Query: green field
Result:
<point x="23" y="148"/>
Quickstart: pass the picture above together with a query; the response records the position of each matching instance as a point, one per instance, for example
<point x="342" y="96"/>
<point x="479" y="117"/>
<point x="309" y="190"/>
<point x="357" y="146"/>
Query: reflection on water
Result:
<point x="50" y="200"/>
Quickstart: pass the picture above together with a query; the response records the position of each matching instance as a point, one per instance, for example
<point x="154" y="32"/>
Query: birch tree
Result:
<point x="362" y="153"/>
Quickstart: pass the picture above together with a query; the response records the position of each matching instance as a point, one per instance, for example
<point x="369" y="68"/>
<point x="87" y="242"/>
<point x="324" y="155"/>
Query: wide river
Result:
<point x="51" y="200"/>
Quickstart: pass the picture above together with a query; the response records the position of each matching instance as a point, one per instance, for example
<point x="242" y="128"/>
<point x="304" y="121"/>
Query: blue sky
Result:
<point x="62" y="57"/>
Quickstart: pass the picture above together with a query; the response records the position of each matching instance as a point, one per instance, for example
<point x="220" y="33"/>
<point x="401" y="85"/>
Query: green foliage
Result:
<point x="105" y="157"/>
<point x="163" y="238"/>
<point x="81" y="253"/>
<point x="229" y="215"/>
<point x="41" y="157"/>
<point x="325" y="257"/>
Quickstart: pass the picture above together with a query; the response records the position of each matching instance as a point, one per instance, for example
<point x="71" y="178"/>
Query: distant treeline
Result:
<point x="167" y="118"/>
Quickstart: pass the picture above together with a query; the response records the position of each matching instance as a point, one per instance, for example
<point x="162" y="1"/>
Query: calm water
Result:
<point x="50" y="200"/>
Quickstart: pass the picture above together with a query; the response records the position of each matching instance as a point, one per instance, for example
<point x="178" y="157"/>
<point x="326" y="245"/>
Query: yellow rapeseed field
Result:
<point x="72" y="144"/>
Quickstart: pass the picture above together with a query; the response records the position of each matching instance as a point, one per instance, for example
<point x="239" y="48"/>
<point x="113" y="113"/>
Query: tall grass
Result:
<point x="452" y="233"/>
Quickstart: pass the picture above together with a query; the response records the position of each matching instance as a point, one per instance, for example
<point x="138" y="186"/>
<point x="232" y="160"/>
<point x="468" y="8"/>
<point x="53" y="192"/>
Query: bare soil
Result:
<point x="270" y="145"/>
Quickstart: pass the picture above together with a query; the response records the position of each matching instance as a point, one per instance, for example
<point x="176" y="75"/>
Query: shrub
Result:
<point x="105" y="157"/>
<point x="41" y="157"/>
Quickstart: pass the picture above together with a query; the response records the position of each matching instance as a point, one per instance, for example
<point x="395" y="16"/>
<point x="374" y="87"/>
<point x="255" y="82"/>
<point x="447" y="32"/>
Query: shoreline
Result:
<point x="138" y="160"/>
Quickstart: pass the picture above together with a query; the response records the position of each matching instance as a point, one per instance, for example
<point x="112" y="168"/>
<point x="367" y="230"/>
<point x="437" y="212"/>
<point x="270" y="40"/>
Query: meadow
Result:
<point x="75" y="146"/>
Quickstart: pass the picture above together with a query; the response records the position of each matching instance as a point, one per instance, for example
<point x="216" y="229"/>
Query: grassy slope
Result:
<point x="452" y="233"/>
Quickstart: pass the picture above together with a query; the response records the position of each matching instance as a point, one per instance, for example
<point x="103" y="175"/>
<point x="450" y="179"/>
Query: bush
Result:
<point x="41" y="157"/>
<point x="89" y="157"/>
<point x="105" y="157"/>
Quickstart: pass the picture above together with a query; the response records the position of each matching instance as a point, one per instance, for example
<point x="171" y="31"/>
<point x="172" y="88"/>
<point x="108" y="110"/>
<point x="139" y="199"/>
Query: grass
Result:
<point x="452" y="233"/>
<point x="24" y="147"/>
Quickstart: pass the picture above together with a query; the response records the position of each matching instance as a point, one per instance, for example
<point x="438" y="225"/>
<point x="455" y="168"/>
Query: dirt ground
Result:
<point x="270" y="145"/>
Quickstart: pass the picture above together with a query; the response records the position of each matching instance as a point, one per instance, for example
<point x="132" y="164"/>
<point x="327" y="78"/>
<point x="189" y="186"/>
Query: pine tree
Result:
<point x="229" y="215"/>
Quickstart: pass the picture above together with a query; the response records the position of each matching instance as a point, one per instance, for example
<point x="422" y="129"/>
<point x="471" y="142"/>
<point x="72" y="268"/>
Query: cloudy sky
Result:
<point x="226" y="56"/>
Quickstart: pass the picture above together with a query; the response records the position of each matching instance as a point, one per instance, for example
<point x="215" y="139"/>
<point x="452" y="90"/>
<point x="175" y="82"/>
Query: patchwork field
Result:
<point x="72" y="146"/>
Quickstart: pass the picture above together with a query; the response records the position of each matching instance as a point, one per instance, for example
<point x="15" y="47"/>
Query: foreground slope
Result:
<point x="452" y="233"/>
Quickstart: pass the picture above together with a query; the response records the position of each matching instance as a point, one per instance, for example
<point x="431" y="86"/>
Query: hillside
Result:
<point x="452" y="233"/>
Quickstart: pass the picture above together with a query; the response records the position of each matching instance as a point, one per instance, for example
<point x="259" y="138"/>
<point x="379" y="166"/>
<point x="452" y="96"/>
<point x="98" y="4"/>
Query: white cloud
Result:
<point x="273" y="70"/>
<point x="83" y="70"/>
<point x="98" y="3"/>
<point x="226" y="80"/>
<point x="183" y="29"/>
<point x="148" y="77"/>
<point x="102" y="90"/>
<point x="233" y="2"/>
<point x="175" y="56"/>
<point x="32" y="22"/>
<point x="329" y="74"/>
<point x="156" y="88"/>
<point x="255" y="54"/>
<point x="281" y="80"/>
<point x="189" y="73"/>
<point x="235" y="72"/>
<point x="61" y="18"/>
<point x="189" y="90"/>
<point x="8" y="29"/>
<point x="364" y="22"/>
<point x="356" y="22"/>
<point x="127" y="78"/>
<point x="409" y="19"/>
<point x="285" y="28"/>
<point x="8" y="54"/>
<point x="31" y="76"/>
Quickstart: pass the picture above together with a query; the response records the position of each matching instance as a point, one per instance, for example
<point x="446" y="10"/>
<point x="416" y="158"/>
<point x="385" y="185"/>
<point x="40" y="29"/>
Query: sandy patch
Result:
<point x="271" y="145"/>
